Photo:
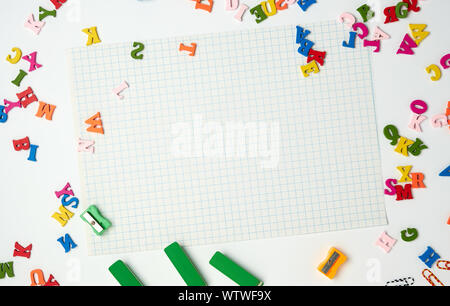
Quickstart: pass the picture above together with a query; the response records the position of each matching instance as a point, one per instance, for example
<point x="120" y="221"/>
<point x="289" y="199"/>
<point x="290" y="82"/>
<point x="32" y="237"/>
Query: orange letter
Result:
<point x="96" y="124"/>
<point x="45" y="109"/>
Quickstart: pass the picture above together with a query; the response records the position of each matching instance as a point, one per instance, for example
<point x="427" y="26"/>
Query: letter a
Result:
<point x="51" y="282"/>
<point x="406" y="46"/>
<point x="418" y="32"/>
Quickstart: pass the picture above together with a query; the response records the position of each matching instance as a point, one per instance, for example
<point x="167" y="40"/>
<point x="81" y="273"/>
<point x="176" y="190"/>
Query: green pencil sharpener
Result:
<point x="94" y="218"/>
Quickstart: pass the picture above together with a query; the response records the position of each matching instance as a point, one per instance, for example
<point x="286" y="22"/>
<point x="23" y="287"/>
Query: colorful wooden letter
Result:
<point x="190" y="49"/>
<point x="385" y="242"/>
<point x="7" y="268"/>
<point x="21" y="251"/>
<point x="429" y="257"/>
<point x="45" y="109"/>
<point x="67" y="243"/>
<point x="92" y="36"/>
<point x="96" y="124"/>
<point x="404" y="193"/>
<point x="63" y="216"/>
<point x="409" y="234"/>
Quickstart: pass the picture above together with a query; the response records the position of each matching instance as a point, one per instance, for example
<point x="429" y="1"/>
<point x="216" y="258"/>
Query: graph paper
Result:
<point x="228" y="145"/>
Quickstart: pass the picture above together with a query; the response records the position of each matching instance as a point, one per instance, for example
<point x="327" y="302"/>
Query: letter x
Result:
<point x="32" y="59"/>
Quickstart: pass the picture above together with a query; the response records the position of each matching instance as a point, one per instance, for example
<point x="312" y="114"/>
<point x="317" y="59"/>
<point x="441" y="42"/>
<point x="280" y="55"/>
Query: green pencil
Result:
<point x="123" y="274"/>
<point x="184" y="265"/>
<point x="235" y="272"/>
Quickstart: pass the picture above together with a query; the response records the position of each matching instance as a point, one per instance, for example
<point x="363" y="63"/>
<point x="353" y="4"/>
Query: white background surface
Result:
<point x="27" y="198"/>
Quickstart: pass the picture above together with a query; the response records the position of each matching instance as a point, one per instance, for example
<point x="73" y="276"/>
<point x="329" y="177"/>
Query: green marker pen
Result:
<point x="123" y="274"/>
<point x="235" y="272"/>
<point x="184" y="265"/>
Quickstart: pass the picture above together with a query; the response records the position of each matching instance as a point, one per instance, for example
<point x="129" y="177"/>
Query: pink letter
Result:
<point x="390" y="184"/>
<point x="242" y="9"/>
<point x="33" y="25"/>
<point x="119" y="89"/>
<point x="439" y="120"/>
<point x="415" y="122"/>
<point x="65" y="190"/>
<point x="386" y="242"/>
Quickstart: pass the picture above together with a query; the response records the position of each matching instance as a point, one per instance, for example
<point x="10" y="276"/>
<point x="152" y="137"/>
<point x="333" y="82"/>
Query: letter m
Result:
<point x="63" y="216"/>
<point x="403" y="193"/>
<point x="6" y="268"/>
<point x="45" y="109"/>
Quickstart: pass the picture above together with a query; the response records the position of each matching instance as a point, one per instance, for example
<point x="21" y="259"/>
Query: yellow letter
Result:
<point x="17" y="58"/>
<point x="402" y="146"/>
<point x="436" y="70"/>
<point x="404" y="170"/>
<point x="92" y="36"/>
<point x="418" y="33"/>
<point x="311" y="67"/>
<point x="273" y="7"/>
<point x="64" y="216"/>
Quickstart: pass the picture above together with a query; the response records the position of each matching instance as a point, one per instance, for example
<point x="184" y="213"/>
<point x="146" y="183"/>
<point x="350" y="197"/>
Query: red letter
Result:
<point x="403" y="194"/>
<point x="412" y="5"/>
<point x="26" y="97"/>
<point x="21" y="251"/>
<point x="58" y="3"/>
<point x="22" y="144"/>
<point x="390" y="14"/>
<point x="51" y="281"/>
<point x="318" y="56"/>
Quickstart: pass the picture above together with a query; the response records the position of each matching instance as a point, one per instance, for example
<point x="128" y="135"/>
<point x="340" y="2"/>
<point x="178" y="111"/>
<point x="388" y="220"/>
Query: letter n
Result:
<point x="67" y="243"/>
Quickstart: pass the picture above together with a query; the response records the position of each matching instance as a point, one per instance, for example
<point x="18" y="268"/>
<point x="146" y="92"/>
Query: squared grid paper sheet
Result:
<point x="321" y="132"/>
